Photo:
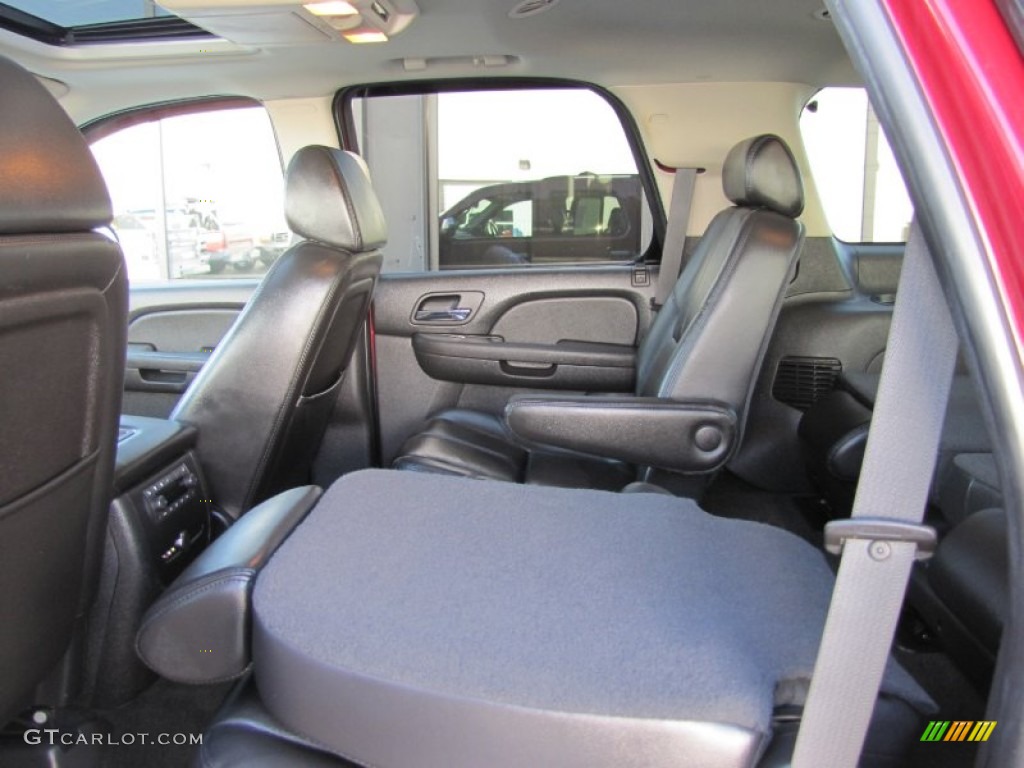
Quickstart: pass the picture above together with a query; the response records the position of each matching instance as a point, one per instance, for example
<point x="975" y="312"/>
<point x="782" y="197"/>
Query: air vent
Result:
<point x="803" y="381"/>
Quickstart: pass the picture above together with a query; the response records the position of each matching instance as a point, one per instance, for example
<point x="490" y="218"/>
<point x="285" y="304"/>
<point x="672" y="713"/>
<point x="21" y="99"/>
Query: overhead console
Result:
<point x="279" y="22"/>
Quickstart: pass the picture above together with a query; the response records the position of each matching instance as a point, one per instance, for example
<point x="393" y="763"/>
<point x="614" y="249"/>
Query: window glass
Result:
<point x="70" y="14"/>
<point x="507" y="178"/>
<point x="196" y="195"/>
<point x="858" y="182"/>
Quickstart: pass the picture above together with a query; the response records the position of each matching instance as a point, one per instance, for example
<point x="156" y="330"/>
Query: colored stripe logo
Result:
<point x="958" y="730"/>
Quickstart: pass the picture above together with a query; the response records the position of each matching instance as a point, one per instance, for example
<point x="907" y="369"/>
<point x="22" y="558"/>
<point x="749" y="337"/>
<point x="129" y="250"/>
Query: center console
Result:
<point x="159" y="488"/>
<point x="160" y="520"/>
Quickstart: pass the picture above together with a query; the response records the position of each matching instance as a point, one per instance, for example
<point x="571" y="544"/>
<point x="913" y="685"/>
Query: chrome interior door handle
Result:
<point x="454" y="314"/>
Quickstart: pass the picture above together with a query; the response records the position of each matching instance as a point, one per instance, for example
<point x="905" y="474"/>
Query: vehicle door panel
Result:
<point x="537" y="306"/>
<point x="172" y="330"/>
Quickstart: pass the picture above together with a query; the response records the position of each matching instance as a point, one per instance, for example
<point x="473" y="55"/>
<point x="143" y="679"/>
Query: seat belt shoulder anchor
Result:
<point x="881" y="529"/>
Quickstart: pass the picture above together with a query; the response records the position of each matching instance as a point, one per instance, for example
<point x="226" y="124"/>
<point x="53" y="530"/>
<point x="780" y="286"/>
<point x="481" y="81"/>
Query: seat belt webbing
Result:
<point x="675" y="233"/>
<point x="880" y="541"/>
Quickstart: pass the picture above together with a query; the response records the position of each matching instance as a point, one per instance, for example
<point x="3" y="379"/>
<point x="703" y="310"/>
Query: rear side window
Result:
<point x="508" y="178"/>
<point x="195" y="194"/>
<point x="860" y="187"/>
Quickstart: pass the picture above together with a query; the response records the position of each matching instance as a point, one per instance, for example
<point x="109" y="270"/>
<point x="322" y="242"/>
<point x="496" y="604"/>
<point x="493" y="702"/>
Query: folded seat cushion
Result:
<point x="423" y="620"/>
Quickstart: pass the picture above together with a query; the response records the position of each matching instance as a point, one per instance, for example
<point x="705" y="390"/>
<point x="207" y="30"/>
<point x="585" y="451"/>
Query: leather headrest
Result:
<point x="328" y="198"/>
<point x="49" y="180"/>
<point x="761" y="173"/>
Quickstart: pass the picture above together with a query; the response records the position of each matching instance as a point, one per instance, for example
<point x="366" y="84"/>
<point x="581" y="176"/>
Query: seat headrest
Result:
<point x="761" y="173"/>
<point x="49" y="180"/>
<point x="328" y="198"/>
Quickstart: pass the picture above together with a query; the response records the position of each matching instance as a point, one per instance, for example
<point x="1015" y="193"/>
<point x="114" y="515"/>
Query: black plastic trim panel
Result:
<point x="152" y="446"/>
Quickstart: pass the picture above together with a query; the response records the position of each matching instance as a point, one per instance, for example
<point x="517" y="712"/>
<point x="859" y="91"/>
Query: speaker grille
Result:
<point x="803" y="381"/>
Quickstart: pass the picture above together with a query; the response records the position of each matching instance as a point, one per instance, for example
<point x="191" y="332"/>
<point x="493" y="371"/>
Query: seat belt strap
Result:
<point x="675" y="233"/>
<point x="884" y="535"/>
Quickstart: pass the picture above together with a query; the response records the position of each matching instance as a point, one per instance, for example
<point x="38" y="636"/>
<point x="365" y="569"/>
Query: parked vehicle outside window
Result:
<point x="562" y="218"/>
<point x="215" y="175"/>
<point x="515" y="177"/>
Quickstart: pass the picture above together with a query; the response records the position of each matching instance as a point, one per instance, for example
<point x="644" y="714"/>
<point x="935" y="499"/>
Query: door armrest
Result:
<point x="579" y="365"/>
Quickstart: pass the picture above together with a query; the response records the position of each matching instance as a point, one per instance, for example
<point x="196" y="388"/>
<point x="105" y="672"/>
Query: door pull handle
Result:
<point x="455" y="314"/>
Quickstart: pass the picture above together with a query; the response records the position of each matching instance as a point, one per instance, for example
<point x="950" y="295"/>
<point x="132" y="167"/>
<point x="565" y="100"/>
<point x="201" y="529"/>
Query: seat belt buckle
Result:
<point x="881" y="530"/>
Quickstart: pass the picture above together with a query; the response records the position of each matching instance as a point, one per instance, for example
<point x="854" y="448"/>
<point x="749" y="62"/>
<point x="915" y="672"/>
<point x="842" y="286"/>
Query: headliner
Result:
<point x="607" y="42"/>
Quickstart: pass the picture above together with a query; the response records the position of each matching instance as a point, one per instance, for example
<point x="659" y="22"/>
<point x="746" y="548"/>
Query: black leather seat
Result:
<point x="262" y="401"/>
<point x="970" y="574"/>
<point x="63" y="316"/>
<point x="245" y="734"/>
<point x="962" y="593"/>
<point x="834" y="433"/>
<point x="969" y="483"/>
<point x="703" y="350"/>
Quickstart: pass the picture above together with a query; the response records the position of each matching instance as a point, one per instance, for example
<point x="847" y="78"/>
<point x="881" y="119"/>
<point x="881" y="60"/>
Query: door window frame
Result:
<point x="342" y="111"/>
<point x="106" y="125"/>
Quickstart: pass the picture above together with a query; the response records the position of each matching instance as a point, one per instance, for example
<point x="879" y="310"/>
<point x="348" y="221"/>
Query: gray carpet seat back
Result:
<point x="423" y="620"/>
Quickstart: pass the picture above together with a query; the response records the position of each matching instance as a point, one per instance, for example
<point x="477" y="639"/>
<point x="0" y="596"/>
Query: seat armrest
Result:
<point x="689" y="437"/>
<point x="198" y="630"/>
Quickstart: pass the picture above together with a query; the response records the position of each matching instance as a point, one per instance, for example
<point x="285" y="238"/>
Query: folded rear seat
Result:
<point x="962" y="593"/>
<point x="422" y="620"/>
<point x="970" y="574"/>
<point x="834" y="433"/>
<point x="969" y="483"/>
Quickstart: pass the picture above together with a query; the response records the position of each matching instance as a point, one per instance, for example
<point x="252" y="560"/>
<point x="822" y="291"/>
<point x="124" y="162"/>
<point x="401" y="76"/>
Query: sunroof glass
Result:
<point x="75" y="13"/>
